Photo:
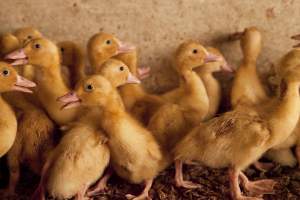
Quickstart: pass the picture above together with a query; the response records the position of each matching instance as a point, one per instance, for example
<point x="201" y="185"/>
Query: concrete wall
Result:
<point x="158" y="26"/>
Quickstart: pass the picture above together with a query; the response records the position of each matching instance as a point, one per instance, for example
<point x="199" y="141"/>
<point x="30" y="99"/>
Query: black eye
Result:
<point x="62" y="49"/>
<point x="121" y="68"/>
<point x="89" y="88"/>
<point x="195" y="51"/>
<point x="5" y="72"/>
<point x="37" y="46"/>
<point x="108" y="41"/>
<point x="29" y="37"/>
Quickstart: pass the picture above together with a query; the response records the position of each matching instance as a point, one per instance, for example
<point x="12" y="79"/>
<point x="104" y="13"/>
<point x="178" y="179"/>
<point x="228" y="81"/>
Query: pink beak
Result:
<point x="212" y="58"/>
<point x="143" y="72"/>
<point x="227" y="68"/>
<point x="23" y="84"/>
<point x="125" y="47"/>
<point x="69" y="100"/>
<point x="132" y="79"/>
<point x="19" y="56"/>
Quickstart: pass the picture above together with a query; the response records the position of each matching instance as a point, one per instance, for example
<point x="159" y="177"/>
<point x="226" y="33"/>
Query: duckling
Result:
<point x="212" y="86"/>
<point x="247" y="87"/>
<point x="282" y="153"/>
<point x="239" y="137"/>
<point x="73" y="62"/>
<point x="135" y="154"/>
<point x="77" y="162"/>
<point x="11" y="81"/>
<point x="172" y="120"/>
<point x="44" y="55"/>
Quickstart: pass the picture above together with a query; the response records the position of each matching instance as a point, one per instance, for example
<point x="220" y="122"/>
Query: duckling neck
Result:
<point x="195" y="100"/>
<point x="112" y="113"/>
<point x="247" y="87"/>
<point x="50" y="87"/>
<point x="213" y="90"/>
<point x="250" y="61"/>
<point x="285" y="116"/>
<point x="50" y="81"/>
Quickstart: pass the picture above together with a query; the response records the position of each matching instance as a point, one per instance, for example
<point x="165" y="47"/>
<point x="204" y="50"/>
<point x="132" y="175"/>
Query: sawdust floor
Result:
<point x="214" y="185"/>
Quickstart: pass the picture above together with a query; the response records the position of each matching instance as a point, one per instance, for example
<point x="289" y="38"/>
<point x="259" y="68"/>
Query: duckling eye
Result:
<point x="5" y="72"/>
<point x="195" y="51"/>
<point x="108" y="42"/>
<point x="37" y="46"/>
<point x="29" y="37"/>
<point x="62" y="49"/>
<point x="121" y="68"/>
<point x="89" y="88"/>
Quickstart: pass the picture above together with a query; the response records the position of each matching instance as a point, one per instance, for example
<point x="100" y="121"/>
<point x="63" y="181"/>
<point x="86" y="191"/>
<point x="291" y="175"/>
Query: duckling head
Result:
<point x="11" y="81"/>
<point x="251" y="43"/>
<point x="38" y="52"/>
<point x="191" y="55"/>
<point x="26" y="34"/>
<point x="289" y="67"/>
<point x="117" y="73"/>
<point x="95" y="90"/>
<point x="103" y="46"/>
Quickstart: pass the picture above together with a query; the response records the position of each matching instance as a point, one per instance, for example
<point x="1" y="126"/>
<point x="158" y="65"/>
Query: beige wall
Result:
<point x="158" y="26"/>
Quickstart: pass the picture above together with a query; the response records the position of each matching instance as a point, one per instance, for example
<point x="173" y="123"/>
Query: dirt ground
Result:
<point x="214" y="185"/>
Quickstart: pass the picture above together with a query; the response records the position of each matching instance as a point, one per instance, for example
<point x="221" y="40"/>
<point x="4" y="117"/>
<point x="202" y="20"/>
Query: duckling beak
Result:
<point x="19" y="56"/>
<point x="125" y="47"/>
<point x="132" y="79"/>
<point x="212" y="58"/>
<point x="69" y="100"/>
<point x="227" y="68"/>
<point x="22" y="85"/>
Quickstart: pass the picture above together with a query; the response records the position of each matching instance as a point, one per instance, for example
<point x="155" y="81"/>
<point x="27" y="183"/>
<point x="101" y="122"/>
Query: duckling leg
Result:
<point x="39" y="193"/>
<point x="144" y="195"/>
<point x="101" y="185"/>
<point x="257" y="188"/>
<point x="236" y="193"/>
<point x="263" y="166"/>
<point x="179" y="177"/>
<point x="143" y="72"/>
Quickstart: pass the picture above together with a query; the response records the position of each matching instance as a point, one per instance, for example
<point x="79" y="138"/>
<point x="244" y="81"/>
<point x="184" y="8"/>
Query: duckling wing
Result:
<point x="246" y="126"/>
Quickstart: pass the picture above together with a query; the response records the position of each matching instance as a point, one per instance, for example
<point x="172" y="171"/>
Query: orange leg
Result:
<point x="257" y="188"/>
<point x="101" y="185"/>
<point x="236" y="193"/>
<point x="39" y="193"/>
<point x="144" y="195"/>
<point x="179" y="177"/>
